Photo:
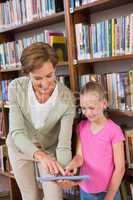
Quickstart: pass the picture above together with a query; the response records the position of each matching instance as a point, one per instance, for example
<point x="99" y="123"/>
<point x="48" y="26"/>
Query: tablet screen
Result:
<point x="56" y="178"/>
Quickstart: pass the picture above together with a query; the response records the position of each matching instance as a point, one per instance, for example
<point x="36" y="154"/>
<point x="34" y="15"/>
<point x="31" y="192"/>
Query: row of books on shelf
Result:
<point x="118" y="87"/>
<point x="4" y="87"/>
<point x="129" y="147"/>
<point x="4" y="165"/>
<point x="4" y="90"/>
<point x="10" y="52"/>
<point x="77" y="3"/>
<point x="17" y="12"/>
<point x="2" y="128"/>
<point x="126" y="190"/>
<point x="111" y="37"/>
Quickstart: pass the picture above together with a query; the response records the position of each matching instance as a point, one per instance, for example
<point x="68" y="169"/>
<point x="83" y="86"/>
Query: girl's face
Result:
<point x="44" y="79"/>
<point x="91" y="105"/>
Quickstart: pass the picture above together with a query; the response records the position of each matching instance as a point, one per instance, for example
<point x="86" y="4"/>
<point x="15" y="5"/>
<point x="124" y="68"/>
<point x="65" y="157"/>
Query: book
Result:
<point x="57" y="178"/>
<point x="59" y="44"/>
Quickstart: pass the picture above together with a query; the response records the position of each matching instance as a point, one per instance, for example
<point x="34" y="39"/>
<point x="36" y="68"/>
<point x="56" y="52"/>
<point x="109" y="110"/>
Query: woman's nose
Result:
<point x="44" y="83"/>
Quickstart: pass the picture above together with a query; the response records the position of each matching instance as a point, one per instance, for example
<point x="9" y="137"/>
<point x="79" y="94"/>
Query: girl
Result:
<point x="100" y="152"/>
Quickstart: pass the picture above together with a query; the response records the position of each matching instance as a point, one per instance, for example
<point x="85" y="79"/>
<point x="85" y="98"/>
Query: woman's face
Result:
<point x="43" y="80"/>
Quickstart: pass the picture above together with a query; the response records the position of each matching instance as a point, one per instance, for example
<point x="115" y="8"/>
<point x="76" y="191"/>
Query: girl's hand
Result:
<point x="70" y="170"/>
<point x="65" y="184"/>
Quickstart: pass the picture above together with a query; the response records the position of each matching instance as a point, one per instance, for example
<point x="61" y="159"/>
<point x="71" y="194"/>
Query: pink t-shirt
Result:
<point x="98" y="154"/>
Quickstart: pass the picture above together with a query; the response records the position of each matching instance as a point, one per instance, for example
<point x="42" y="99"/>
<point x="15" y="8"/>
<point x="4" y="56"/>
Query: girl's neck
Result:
<point x="99" y="121"/>
<point x="98" y="125"/>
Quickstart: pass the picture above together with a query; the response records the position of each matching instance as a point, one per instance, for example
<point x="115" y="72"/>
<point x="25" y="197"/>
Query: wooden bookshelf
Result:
<point x="6" y="35"/>
<point x="107" y="59"/>
<point x="81" y="14"/>
<point x="8" y="174"/>
<point x="100" y="5"/>
<point x="37" y="23"/>
<point x="10" y="70"/>
<point x="60" y="64"/>
<point x="120" y="113"/>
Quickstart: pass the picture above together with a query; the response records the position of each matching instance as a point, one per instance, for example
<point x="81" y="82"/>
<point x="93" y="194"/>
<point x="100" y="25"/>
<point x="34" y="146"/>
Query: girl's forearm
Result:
<point x="114" y="184"/>
<point x="77" y="161"/>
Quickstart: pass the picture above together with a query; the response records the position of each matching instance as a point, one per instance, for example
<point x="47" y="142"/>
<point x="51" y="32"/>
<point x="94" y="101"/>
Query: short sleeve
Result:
<point x="117" y="135"/>
<point x="81" y="127"/>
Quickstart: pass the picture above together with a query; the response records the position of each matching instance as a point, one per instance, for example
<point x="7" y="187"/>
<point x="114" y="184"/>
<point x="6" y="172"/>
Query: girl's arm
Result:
<point x="71" y="168"/>
<point x="119" y="161"/>
<point x="77" y="161"/>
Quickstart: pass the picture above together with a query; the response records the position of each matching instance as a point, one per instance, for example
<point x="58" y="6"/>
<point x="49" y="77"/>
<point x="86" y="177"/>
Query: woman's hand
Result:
<point x="48" y="163"/>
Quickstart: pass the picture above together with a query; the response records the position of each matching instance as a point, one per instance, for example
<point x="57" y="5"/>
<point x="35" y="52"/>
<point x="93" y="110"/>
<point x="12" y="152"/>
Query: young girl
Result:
<point x="100" y="152"/>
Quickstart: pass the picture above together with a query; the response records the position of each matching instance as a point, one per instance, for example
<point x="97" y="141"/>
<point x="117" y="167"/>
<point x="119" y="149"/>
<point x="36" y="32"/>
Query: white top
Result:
<point x="40" y="111"/>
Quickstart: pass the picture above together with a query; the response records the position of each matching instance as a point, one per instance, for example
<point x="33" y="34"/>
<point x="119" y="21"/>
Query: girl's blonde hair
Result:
<point x="94" y="87"/>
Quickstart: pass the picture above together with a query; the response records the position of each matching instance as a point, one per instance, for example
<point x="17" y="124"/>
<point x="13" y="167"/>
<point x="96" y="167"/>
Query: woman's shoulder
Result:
<point x="19" y="82"/>
<point x="65" y="92"/>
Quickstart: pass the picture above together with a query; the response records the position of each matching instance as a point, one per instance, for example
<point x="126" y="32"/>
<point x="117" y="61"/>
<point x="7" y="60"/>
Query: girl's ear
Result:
<point x="105" y="103"/>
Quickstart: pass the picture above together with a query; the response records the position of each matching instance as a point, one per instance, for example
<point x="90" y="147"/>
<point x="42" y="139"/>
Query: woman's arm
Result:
<point x="119" y="161"/>
<point x="16" y="121"/>
<point x="63" y="150"/>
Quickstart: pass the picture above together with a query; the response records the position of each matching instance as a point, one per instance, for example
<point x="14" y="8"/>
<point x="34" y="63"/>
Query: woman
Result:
<point x="40" y="120"/>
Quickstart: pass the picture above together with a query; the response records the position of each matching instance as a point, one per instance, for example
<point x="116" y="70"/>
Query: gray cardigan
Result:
<point x="54" y="137"/>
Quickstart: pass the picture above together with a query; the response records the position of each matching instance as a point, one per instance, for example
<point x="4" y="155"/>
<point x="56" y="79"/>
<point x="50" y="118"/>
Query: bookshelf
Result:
<point x="44" y="21"/>
<point x="90" y="14"/>
<point x="74" y="66"/>
<point x="8" y="34"/>
<point x="107" y="59"/>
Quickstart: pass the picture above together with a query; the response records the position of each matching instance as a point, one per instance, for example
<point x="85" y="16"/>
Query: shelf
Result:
<point x="101" y="5"/>
<point x="36" y="23"/>
<point x="61" y="64"/>
<point x="6" y="106"/>
<point x="120" y="113"/>
<point x="8" y="174"/>
<point x="129" y="172"/>
<point x="107" y="59"/>
<point x="10" y="70"/>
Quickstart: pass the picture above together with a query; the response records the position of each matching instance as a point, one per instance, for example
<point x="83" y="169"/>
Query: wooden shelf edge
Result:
<point x="8" y="174"/>
<point x="107" y="59"/>
<point x="10" y="70"/>
<point x="101" y="5"/>
<point x="120" y="113"/>
<point x="48" y="20"/>
<point x="60" y="64"/>
<point x="6" y="106"/>
<point x="90" y="5"/>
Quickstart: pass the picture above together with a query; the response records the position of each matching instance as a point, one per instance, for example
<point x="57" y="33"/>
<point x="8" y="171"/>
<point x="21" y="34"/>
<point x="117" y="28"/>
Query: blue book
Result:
<point x="57" y="178"/>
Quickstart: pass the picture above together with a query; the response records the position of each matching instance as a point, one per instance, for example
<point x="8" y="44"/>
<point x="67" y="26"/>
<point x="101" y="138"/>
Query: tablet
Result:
<point x="56" y="178"/>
